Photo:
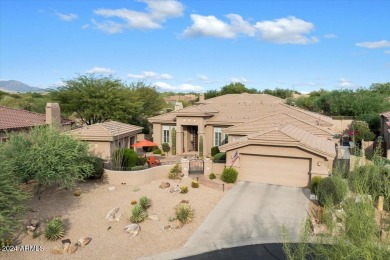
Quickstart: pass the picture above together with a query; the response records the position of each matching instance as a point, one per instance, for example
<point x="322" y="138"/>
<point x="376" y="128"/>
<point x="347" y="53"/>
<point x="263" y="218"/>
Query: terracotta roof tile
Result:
<point x="386" y="114"/>
<point x="15" y="118"/>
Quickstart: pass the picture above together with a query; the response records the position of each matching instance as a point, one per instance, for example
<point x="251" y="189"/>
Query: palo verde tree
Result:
<point x="95" y="99"/>
<point x="48" y="157"/>
<point x="12" y="198"/>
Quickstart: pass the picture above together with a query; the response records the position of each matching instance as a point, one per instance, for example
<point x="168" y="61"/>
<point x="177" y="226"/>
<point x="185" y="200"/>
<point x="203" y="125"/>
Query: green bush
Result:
<point x="331" y="190"/>
<point x="157" y="151"/>
<point x="125" y="157"/>
<point x="214" y="150"/>
<point x="138" y="214"/>
<point x="212" y="176"/>
<point x="195" y="184"/>
<point x="219" y="158"/>
<point x="145" y="202"/>
<point x="141" y="160"/>
<point x="54" y="229"/>
<point x="98" y="166"/>
<point x="174" y="173"/>
<point x="314" y="184"/>
<point x="165" y="147"/>
<point x="229" y="175"/>
<point x="184" y="213"/>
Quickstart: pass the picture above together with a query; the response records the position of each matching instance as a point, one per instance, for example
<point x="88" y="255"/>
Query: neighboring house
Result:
<point x="16" y="120"/>
<point x="173" y="99"/>
<point x="385" y="131"/>
<point x="276" y="143"/>
<point x="104" y="138"/>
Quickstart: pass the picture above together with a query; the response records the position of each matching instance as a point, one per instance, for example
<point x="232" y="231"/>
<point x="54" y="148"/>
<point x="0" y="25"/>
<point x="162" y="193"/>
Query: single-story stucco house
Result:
<point x="17" y="120"/>
<point x="385" y="131"/>
<point x="104" y="138"/>
<point x="276" y="143"/>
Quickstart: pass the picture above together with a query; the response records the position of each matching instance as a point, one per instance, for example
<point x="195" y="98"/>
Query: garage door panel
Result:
<point x="275" y="170"/>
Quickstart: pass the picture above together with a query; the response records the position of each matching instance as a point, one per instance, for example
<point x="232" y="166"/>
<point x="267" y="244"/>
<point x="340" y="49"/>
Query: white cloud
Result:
<point x="374" y="45"/>
<point x="387" y="51"/>
<point x="345" y="83"/>
<point x="286" y="30"/>
<point x="180" y="88"/>
<point x="202" y="77"/>
<point x="330" y="36"/>
<point x="85" y="26"/>
<point x="100" y="70"/>
<point x="66" y="17"/>
<point x="157" y="13"/>
<point x="241" y="80"/>
<point x="149" y="75"/>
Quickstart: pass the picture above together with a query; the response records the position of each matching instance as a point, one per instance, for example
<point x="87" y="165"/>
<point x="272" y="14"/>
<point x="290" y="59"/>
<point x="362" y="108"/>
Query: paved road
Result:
<point x="253" y="211"/>
<point x="249" y="214"/>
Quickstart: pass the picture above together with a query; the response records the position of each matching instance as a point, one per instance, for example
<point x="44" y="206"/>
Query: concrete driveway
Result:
<point x="253" y="213"/>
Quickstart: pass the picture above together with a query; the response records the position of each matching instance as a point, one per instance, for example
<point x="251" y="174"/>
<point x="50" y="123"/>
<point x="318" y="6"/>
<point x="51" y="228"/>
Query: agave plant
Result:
<point x="54" y="229"/>
<point x="145" y="202"/>
<point x="138" y="214"/>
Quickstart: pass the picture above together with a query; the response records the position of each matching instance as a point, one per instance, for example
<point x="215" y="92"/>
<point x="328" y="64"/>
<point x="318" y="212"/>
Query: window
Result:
<point x="165" y="134"/>
<point x="217" y="136"/>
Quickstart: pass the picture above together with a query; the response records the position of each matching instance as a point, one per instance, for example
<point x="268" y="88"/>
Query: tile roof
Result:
<point x="11" y="118"/>
<point x="386" y="114"/>
<point x="277" y="120"/>
<point x="105" y="131"/>
<point x="287" y="135"/>
<point x="234" y="109"/>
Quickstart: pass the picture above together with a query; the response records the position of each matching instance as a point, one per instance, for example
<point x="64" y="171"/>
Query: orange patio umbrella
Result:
<point x="144" y="143"/>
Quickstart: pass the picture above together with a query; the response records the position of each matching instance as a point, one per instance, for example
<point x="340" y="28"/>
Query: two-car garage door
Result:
<point x="285" y="171"/>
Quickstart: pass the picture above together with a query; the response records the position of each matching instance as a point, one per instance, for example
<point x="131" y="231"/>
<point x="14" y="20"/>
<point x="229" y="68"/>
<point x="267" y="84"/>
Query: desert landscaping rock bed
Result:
<point x="84" y="216"/>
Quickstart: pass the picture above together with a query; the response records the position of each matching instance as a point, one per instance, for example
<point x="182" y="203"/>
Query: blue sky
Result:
<point x="198" y="45"/>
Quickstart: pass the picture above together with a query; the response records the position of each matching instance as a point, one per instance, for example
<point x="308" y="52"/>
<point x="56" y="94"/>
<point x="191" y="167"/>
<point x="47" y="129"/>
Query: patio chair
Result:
<point x="152" y="161"/>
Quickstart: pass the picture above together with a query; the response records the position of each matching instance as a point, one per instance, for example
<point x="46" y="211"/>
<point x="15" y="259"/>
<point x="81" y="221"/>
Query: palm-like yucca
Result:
<point x="55" y="229"/>
<point x="145" y="202"/>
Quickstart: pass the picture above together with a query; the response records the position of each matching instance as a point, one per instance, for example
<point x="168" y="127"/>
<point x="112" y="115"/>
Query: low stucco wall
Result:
<point x="136" y="177"/>
<point x="218" y="168"/>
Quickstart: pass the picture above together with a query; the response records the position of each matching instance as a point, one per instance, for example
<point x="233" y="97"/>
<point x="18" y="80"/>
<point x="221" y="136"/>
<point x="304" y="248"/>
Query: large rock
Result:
<point x="34" y="223"/>
<point x="73" y="248"/>
<point x="57" y="250"/>
<point x="111" y="188"/>
<point x="164" y="185"/>
<point x="66" y="245"/>
<point x="111" y="214"/>
<point x="174" y="189"/>
<point x="84" y="241"/>
<point x="133" y="229"/>
<point x="176" y="224"/>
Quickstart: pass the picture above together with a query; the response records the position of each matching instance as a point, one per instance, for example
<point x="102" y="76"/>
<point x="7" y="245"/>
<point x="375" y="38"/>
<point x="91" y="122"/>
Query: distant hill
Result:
<point x="17" y="86"/>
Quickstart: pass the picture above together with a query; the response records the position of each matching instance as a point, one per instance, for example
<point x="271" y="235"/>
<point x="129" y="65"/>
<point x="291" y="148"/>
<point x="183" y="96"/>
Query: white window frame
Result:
<point x="165" y="134"/>
<point x="217" y="136"/>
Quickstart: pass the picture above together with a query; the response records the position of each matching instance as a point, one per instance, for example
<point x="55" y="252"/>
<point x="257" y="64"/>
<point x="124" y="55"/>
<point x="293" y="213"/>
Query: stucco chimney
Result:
<point x="53" y="115"/>
<point x="201" y="97"/>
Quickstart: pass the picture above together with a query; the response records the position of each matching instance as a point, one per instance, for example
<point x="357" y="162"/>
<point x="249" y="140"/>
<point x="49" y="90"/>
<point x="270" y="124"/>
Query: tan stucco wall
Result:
<point x="218" y="168"/>
<point x="208" y="131"/>
<point x="319" y="165"/>
<point x="341" y="126"/>
<point x="136" y="177"/>
<point x="100" y="149"/>
<point x="157" y="131"/>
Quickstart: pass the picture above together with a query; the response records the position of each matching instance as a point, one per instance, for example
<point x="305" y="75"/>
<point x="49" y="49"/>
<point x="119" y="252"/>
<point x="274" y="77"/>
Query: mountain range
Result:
<point x="17" y="86"/>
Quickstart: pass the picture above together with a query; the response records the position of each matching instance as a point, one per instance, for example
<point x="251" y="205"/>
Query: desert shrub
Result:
<point x="219" y="158"/>
<point x="125" y="157"/>
<point x="314" y="184"/>
<point x="163" y="154"/>
<point x="98" y="166"/>
<point x="138" y="214"/>
<point x="165" y="147"/>
<point x="54" y="229"/>
<point x="157" y="151"/>
<point x="174" y="173"/>
<point x="184" y="213"/>
<point x="212" y="176"/>
<point x="214" y="150"/>
<point x="139" y="168"/>
<point x="183" y="189"/>
<point x="195" y="184"/>
<point x="141" y="161"/>
<point x="331" y="190"/>
<point x="229" y="175"/>
<point x="145" y="202"/>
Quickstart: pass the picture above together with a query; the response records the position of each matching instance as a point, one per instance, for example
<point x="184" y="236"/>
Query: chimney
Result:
<point x="201" y="97"/>
<point x="53" y="115"/>
<point x="178" y="105"/>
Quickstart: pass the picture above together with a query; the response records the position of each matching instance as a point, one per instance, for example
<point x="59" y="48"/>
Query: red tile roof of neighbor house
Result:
<point x="11" y="118"/>
<point x="386" y="114"/>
